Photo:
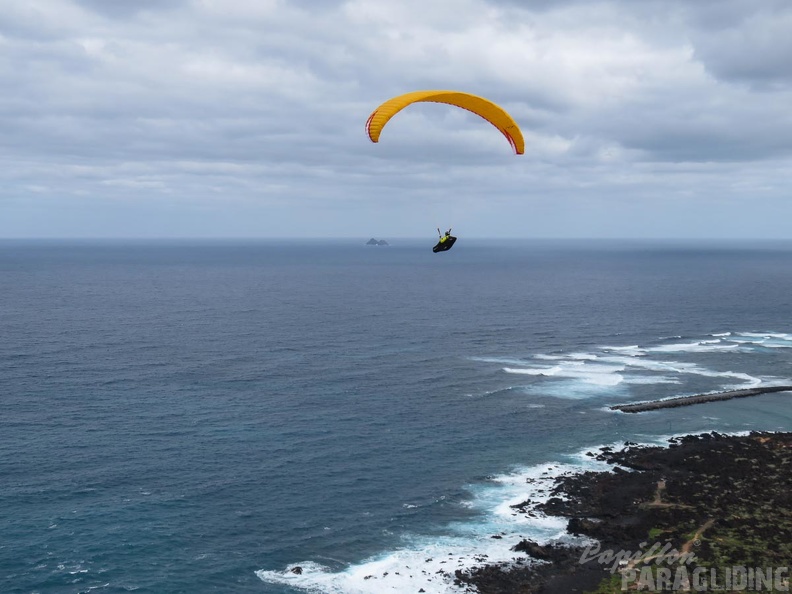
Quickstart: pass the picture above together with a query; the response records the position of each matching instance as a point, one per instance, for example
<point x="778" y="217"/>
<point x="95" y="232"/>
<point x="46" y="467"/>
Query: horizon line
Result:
<point x="386" y="237"/>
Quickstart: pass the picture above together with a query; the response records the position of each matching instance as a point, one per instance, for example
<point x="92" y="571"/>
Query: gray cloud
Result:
<point x="243" y="117"/>
<point x="119" y="9"/>
<point x="757" y="50"/>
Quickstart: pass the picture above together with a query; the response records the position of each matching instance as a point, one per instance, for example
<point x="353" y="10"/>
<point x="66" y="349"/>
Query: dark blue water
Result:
<point x="200" y="417"/>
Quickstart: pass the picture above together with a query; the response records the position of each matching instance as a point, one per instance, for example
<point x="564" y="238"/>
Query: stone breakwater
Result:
<point x="697" y="399"/>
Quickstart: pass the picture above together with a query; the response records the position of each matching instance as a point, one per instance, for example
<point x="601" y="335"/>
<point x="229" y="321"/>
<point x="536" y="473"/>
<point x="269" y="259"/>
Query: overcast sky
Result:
<point x="246" y="118"/>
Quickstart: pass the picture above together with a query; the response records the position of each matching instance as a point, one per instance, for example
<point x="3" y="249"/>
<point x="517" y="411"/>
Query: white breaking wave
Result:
<point x="429" y="563"/>
<point x="576" y="379"/>
<point x="772" y="340"/>
<point x="501" y="360"/>
<point x="632" y="350"/>
<point x="580" y="375"/>
<point x="702" y="346"/>
<point x="686" y="368"/>
<point x="651" y="381"/>
<point x="782" y="336"/>
<point x="572" y="356"/>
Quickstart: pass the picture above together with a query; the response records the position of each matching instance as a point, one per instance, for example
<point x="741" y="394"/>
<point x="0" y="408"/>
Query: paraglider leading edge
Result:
<point x="493" y="113"/>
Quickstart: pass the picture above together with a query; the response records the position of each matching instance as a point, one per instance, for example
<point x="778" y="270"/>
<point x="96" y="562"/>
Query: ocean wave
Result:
<point x="580" y="375"/>
<point x="429" y="563"/>
<point x="696" y="346"/>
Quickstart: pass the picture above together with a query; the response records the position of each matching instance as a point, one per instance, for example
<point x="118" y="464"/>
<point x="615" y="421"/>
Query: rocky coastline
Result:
<point x="716" y="501"/>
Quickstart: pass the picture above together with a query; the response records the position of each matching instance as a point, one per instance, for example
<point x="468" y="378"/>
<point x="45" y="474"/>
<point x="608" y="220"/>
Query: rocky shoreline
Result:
<point x="717" y="501"/>
<point x="697" y="399"/>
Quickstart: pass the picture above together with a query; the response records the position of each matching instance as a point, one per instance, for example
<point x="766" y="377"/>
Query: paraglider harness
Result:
<point x="445" y="243"/>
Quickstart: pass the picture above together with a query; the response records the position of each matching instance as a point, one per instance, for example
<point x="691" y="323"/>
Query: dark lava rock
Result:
<point x="548" y="552"/>
<point x="734" y="493"/>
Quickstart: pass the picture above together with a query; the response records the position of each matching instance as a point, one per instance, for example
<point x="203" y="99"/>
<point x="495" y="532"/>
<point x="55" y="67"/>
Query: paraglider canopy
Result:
<point x="493" y="113"/>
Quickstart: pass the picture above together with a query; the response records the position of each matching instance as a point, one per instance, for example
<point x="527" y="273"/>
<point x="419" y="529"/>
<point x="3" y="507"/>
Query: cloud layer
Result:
<point x="217" y="118"/>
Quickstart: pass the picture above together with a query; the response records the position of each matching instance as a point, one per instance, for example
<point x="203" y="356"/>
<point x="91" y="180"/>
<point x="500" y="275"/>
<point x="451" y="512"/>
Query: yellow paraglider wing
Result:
<point x="485" y="108"/>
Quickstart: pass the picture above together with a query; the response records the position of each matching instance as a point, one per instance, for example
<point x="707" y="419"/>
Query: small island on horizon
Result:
<point x="373" y="241"/>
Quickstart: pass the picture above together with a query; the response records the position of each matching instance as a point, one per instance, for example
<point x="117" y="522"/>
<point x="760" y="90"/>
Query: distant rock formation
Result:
<point x="373" y="241"/>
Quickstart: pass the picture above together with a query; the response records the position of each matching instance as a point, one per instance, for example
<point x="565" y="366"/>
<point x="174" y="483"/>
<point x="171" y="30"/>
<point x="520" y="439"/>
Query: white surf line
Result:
<point x="430" y="563"/>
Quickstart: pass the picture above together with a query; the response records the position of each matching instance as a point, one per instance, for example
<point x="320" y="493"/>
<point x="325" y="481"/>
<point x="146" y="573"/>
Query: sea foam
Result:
<point x="611" y="370"/>
<point x="429" y="563"/>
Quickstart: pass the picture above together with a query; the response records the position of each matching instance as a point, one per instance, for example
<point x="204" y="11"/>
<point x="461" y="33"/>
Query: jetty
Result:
<point x="637" y="407"/>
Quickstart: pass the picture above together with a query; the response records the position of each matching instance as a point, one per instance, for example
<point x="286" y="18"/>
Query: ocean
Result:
<point x="189" y="417"/>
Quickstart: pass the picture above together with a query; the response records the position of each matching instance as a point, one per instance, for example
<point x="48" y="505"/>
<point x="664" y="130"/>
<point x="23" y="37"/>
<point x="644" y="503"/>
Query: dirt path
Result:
<point x="708" y="524"/>
<point x="658" y="499"/>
